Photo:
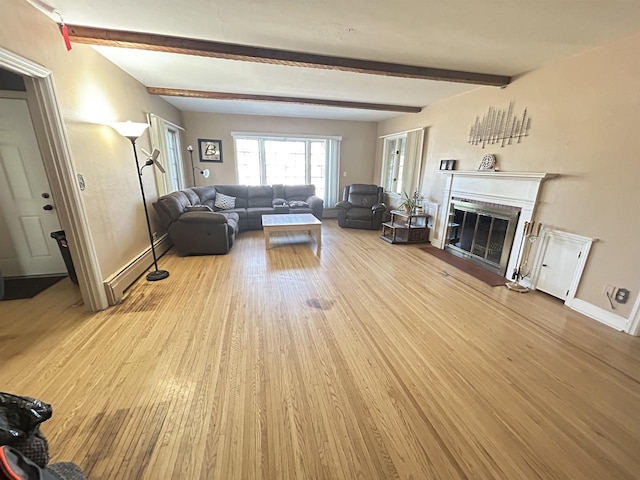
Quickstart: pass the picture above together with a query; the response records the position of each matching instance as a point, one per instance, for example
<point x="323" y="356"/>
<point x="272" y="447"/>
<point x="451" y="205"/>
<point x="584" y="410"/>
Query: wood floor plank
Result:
<point x="365" y="361"/>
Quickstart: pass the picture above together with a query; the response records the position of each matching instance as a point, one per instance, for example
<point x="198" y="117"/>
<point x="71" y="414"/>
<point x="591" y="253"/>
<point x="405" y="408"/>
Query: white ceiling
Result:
<point x="503" y="37"/>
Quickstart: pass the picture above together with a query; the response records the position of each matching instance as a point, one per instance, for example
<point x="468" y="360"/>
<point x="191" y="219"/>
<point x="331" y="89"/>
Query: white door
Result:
<point x="27" y="211"/>
<point x="559" y="263"/>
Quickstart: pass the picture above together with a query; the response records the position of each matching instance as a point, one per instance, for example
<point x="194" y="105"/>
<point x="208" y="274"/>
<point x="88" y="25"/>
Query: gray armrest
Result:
<point x="315" y="201"/>
<point x="344" y="205"/>
<point x="379" y="207"/>
<point x="203" y="217"/>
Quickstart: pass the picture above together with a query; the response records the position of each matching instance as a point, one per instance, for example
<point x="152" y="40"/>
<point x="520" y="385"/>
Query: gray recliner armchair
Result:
<point x="361" y="207"/>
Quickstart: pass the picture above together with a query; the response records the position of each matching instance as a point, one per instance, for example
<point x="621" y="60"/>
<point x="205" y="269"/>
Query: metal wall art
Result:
<point x="499" y="127"/>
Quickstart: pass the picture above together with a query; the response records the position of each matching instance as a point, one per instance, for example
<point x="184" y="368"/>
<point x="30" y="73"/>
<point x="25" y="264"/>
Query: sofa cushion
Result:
<point x="240" y="212"/>
<point x="206" y="195"/>
<point x="260" y="196"/>
<point x="192" y="196"/>
<point x="171" y="206"/>
<point x="278" y="190"/>
<point x="257" y="212"/>
<point x="299" y="192"/>
<point x="225" y="202"/>
<point x="363" y="189"/>
<point x="359" y="213"/>
<point x="363" y="195"/>
<point x="363" y="200"/>
<point x="241" y="192"/>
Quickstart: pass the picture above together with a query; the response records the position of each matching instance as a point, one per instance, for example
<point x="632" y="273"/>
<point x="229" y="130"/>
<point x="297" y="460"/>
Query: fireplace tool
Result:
<point x="530" y="235"/>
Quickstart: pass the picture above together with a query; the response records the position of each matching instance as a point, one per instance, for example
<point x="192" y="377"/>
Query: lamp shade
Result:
<point x="131" y="130"/>
<point x="206" y="173"/>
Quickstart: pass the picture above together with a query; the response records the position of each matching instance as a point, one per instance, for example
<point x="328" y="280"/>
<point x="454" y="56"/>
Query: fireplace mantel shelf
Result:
<point x="492" y="173"/>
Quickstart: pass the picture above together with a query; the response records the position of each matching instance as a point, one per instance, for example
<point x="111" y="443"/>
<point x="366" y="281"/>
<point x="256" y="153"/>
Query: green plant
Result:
<point x="408" y="202"/>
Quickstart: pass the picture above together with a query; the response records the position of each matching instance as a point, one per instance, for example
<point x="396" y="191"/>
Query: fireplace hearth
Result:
<point x="482" y="232"/>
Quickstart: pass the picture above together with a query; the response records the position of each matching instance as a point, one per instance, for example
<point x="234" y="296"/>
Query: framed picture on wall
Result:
<point x="447" y="164"/>
<point x="210" y="150"/>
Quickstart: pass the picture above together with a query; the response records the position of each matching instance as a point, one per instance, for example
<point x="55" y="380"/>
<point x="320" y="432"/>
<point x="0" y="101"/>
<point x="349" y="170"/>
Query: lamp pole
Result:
<point x="157" y="274"/>
<point x="193" y="170"/>
<point x="132" y="131"/>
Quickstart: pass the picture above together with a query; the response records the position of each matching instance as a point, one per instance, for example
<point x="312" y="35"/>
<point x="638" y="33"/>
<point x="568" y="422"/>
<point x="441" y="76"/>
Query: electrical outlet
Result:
<point x="622" y="295"/>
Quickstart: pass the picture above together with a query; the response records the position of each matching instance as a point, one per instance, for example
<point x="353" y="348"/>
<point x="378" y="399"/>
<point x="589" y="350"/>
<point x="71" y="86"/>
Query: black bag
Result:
<point x="20" y="419"/>
<point x="14" y="466"/>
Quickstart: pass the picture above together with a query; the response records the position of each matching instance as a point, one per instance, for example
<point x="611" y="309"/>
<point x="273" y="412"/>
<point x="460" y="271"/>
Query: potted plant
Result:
<point x="408" y="203"/>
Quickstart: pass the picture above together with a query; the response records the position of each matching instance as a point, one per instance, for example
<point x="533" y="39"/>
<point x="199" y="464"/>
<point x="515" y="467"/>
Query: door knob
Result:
<point x="45" y="195"/>
<point x="544" y="264"/>
<point x="48" y="207"/>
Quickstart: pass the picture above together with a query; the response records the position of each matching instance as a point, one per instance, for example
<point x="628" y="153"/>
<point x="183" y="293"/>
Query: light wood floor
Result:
<point x="371" y="361"/>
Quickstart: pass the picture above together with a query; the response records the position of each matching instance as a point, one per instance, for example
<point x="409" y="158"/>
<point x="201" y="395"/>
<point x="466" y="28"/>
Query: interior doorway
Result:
<point x="56" y="155"/>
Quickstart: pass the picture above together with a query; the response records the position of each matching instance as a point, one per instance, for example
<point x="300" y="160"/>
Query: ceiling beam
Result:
<point x="247" y="53"/>
<point x="177" y="92"/>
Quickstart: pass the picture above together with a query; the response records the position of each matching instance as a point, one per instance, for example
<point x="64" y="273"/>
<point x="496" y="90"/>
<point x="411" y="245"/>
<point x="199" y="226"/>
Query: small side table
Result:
<point x="406" y="228"/>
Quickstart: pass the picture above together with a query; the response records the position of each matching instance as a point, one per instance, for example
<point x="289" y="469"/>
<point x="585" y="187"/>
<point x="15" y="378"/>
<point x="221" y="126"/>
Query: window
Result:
<point x="165" y="136"/>
<point x="402" y="162"/>
<point x="289" y="161"/>
<point x="174" y="177"/>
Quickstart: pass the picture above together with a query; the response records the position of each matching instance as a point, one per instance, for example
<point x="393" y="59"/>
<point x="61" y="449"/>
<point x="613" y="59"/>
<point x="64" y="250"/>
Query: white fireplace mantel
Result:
<point x="515" y="189"/>
<point x="498" y="174"/>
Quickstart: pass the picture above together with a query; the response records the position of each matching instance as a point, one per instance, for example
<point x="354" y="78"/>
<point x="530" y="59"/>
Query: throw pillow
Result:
<point x="225" y="202"/>
<point x="199" y="208"/>
<point x="297" y="203"/>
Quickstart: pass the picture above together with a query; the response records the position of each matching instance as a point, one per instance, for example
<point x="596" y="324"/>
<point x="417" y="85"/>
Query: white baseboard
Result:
<point x="117" y="283"/>
<point x="600" y="314"/>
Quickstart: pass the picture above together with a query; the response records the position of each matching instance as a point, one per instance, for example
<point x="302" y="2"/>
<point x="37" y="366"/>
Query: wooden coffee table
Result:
<point x="291" y="222"/>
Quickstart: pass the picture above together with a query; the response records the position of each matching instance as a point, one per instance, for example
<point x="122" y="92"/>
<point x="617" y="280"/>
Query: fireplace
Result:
<point x="482" y="232"/>
<point x="484" y="204"/>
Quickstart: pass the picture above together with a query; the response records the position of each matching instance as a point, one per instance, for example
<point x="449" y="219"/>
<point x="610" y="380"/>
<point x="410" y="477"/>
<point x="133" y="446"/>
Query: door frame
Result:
<point x="585" y="246"/>
<point x="633" y="325"/>
<point x="56" y="155"/>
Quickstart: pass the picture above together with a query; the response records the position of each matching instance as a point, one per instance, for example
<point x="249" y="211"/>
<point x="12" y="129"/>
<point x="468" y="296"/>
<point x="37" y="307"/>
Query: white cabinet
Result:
<point x="560" y="263"/>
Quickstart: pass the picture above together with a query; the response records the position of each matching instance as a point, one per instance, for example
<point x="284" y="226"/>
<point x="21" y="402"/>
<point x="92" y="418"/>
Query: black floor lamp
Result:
<point x="205" y="173"/>
<point x="133" y="130"/>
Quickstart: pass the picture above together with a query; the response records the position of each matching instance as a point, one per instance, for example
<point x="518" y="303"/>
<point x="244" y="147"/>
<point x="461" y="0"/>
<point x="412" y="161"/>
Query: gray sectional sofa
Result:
<point x="196" y="226"/>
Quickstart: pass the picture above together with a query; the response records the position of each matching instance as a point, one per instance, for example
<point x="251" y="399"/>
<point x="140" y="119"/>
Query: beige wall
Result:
<point x="357" y="154"/>
<point x="584" y="127"/>
<point x="92" y="91"/>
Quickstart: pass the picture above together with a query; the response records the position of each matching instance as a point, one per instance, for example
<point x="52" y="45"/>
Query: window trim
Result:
<point x="386" y="160"/>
